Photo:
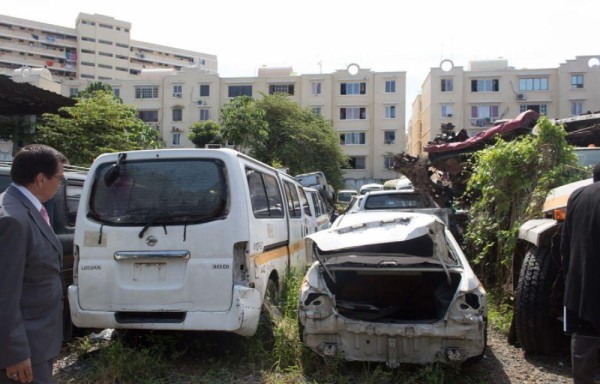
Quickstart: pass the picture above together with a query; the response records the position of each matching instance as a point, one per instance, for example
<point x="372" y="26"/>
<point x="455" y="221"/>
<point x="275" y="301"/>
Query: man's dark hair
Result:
<point x="33" y="159"/>
<point x="596" y="172"/>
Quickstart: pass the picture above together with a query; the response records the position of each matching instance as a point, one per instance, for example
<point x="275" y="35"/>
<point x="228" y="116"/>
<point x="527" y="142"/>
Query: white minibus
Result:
<point x="184" y="239"/>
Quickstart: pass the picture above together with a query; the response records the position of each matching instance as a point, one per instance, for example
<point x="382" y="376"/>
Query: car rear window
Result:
<point x="166" y="191"/>
<point x="396" y="201"/>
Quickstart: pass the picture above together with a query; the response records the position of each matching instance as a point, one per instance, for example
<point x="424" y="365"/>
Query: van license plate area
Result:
<point x="145" y="272"/>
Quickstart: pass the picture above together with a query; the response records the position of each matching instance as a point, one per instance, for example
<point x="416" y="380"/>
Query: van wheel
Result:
<point x="538" y="329"/>
<point x="271" y="301"/>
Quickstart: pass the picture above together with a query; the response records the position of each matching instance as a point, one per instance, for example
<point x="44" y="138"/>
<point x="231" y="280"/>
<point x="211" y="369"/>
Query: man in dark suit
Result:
<point x="31" y="286"/>
<point x="580" y="250"/>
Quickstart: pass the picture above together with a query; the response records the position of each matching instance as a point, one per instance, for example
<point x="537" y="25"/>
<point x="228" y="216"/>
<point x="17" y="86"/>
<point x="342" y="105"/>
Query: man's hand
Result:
<point x="20" y="372"/>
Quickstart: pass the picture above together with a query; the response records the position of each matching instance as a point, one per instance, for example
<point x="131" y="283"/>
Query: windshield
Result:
<point x="344" y="197"/>
<point x="160" y="192"/>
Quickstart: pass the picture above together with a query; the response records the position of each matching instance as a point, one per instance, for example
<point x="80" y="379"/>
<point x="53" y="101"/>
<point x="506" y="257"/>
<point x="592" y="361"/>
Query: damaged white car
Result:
<point x="392" y="287"/>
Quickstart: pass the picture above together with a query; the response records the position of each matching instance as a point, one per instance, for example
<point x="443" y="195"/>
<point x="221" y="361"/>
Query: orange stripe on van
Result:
<point x="263" y="258"/>
<point x="296" y="247"/>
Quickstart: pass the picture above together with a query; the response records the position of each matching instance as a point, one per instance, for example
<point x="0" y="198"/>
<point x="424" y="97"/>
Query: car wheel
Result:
<point x="538" y="329"/>
<point x="271" y="301"/>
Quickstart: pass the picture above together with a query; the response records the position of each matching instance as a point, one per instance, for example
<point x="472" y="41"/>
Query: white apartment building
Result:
<point x="365" y="107"/>
<point x="174" y="88"/>
<point x="490" y="90"/>
<point x="99" y="48"/>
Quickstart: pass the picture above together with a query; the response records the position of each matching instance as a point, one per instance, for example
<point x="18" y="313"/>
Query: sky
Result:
<point x="314" y="36"/>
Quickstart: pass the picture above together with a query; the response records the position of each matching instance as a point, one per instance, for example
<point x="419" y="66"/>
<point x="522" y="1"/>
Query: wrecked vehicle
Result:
<point x="391" y="287"/>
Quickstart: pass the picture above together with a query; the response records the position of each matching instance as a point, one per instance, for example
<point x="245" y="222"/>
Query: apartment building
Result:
<point x="365" y="107"/>
<point x="98" y="48"/>
<point x="489" y="90"/>
<point x="174" y="88"/>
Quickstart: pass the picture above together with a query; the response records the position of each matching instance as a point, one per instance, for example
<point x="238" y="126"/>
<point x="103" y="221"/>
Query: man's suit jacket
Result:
<point x="31" y="288"/>
<point x="580" y="249"/>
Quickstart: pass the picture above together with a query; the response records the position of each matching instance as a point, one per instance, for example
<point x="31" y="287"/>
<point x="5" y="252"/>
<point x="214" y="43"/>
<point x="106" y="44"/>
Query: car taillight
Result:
<point x="559" y="214"/>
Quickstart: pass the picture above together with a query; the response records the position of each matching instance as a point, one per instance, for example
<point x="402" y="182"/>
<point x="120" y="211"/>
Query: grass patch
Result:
<point x="500" y="310"/>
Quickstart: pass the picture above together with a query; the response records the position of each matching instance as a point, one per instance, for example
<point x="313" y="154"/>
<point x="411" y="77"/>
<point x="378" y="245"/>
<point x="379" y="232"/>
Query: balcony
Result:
<point x="483" y="122"/>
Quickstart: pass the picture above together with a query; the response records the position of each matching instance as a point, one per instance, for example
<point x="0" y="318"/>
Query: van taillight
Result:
<point x="75" y="263"/>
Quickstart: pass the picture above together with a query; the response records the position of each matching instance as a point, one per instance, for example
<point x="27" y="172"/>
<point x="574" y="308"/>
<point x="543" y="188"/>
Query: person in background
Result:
<point x="580" y="252"/>
<point x="31" y="285"/>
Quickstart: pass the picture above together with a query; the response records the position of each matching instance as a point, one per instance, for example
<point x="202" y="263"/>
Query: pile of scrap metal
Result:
<point x="444" y="171"/>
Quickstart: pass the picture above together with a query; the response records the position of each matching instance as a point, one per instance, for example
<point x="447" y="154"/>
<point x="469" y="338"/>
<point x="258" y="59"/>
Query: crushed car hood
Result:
<point x="360" y="230"/>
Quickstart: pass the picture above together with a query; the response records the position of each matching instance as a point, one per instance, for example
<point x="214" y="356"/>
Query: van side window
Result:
<point x="265" y="195"/>
<point x="293" y="200"/>
<point x="317" y="204"/>
<point x="73" y="193"/>
<point x="304" y="202"/>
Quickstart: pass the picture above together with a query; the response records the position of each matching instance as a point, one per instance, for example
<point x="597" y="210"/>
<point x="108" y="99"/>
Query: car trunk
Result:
<point x="397" y="296"/>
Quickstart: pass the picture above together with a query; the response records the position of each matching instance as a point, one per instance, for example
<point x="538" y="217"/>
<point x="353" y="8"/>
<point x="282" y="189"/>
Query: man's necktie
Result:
<point x="45" y="215"/>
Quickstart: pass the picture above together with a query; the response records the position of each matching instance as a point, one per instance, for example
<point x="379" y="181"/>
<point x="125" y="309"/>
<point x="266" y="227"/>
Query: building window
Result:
<point x="316" y="111"/>
<point x="389" y="137"/>
<point x="357" y="162"/>
<point x="485" y="85"/>
<point x="121" y="69"/>
<point x="86" y="76"/>
<point x="390" y="111"/>
<point x="148" y="116"/>
<point x="90" y="39"/>
<point x="390" y="86"/>
<point x="576" y="108"/>
<point x="447" y="85"/>
<point x="105" y="54"/>
<point x="239" y="90"/>
<point x="533" y="84"/>
<point x="176" y="139"/>
<point x="353" y="113"/>
<point x="447" y="110"/>
<point x="105" y="26"/>
<point x="73" y="92"/>
<point x="353" y="138"/>
<point x="315" y="89"/>
<point x="483" y="115"/>
<point x="121" y="45"/>
<point x="542" y="109"/>
<point x="146" y="92"/>
<point x="576" y="81"/>
<point x="388" y="162"/>
<point x="117" y="92"/>
<point x="205" y="90"/>
<point x="353" y="88"/>
<point x="288" y="89"/>
<point x="88" y="51"/>
<point x="177" y="91"/>
<point x="87" y="63"/>
<point x="177" y="114"/>
<point x="204" y="114"/>
<point x="105" y="66"/>
<point x="105" y="42"/>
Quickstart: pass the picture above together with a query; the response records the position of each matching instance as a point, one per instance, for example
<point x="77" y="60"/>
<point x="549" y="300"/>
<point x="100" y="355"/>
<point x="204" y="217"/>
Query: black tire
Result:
<point x="271" y="301"/>
<point x="538" y="329"/>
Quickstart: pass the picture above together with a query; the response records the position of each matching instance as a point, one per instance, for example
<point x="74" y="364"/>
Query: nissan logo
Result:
<point x="151" y="241"/>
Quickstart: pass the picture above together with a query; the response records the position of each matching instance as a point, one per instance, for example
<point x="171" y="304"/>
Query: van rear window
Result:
<point x="154" y="192"/>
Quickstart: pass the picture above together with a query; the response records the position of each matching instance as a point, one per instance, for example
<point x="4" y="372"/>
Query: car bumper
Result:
<point x="448" y="341"/>
<point x="242" y="318"/>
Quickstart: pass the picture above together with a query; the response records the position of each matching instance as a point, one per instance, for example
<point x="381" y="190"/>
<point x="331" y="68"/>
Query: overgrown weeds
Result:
<point x="274" y="355"/>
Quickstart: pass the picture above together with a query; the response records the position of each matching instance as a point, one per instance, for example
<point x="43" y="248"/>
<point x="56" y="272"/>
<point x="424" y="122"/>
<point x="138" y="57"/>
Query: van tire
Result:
<point x="538" y="330"/>
<point x="271" y="301"/>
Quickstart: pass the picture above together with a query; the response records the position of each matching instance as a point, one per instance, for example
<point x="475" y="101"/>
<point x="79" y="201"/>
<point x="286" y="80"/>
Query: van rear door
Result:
<point x="158" y="233"/>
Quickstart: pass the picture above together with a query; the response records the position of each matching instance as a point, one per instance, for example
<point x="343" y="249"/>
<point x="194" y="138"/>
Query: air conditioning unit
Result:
<point x="178" y="95"/>
<point x="448" y="115"/>
<point x="521" y="96"/>
<point x="201" y="102"/>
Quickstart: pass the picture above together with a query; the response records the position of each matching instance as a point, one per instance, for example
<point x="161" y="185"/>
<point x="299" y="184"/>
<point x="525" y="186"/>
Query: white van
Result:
<point x="184" y="239"/>
<point x="318" y="216"/>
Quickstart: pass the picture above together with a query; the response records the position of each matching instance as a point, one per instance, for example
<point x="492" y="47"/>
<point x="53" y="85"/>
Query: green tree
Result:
<point x="94" y="87"/>
<point x="205" y="132"/>
<point x="242" y="123"/>
<point x="98" y="123"/>
<point x="300" y="140"/>
<point x="509" y="183"/>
